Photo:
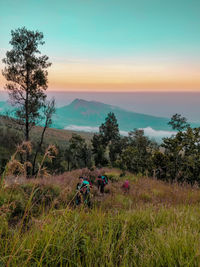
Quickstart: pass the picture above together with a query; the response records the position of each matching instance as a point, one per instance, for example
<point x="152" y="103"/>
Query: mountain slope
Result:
<point x="90" y="113"/>
<point x="84" y="113"/>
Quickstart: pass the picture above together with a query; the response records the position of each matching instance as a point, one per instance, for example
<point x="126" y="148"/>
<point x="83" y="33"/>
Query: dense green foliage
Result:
<point x="176" y="158"/>
<point x="108" y="137"/>
<point x="78" y="153"/>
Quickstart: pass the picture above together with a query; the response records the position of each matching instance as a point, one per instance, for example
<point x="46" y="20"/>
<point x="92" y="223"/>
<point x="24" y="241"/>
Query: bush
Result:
<point x="17" y="199"/>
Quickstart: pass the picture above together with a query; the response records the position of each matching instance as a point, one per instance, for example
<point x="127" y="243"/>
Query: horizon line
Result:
<point x="111" y="91"/>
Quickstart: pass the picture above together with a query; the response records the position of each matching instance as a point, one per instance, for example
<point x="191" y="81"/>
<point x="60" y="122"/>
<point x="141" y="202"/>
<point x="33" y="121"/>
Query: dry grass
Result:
<point x="147" y="191"/>
<point x="57" y="135"/>
<point x="143" y="191"/>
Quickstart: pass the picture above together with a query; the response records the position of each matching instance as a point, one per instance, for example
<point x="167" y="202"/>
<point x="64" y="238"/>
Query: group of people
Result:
<point x="83" y="189"/>
<point x="84" y="186"/>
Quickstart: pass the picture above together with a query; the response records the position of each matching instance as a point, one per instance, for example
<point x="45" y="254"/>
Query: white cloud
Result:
<point x="151" y="133"/>
<point x="148" y="131"/>
<point x="157" y="133"/>
<point x="82" y="128"/>
<point x="124" y="133"/>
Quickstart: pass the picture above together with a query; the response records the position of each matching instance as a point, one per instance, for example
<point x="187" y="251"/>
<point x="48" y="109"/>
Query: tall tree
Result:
<point x="99" y="149"/>
<point x="78" y="153"/>
<point x="183" y="156"/>
<point x="26" y="73"/>
<point x="136" y="155"/>
<point x="109" y="137"/>
<point x="109" y="130"/>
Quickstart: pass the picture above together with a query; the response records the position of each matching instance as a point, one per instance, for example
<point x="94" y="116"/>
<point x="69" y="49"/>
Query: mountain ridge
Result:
<point x="92" y="113"/>
<point x="84" y="113"/>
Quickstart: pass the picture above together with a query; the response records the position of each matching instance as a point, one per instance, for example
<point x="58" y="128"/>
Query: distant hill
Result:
<point x="86" y="115"/>
<point x="91" y="113"/>
<point x="55" y="136"/>
<point x="58" y="136"/>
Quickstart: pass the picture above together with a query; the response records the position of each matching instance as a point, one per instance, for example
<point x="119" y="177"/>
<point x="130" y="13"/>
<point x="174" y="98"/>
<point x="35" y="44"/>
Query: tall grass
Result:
<point x="78" y="238"/>
<point x="155" y="224"/>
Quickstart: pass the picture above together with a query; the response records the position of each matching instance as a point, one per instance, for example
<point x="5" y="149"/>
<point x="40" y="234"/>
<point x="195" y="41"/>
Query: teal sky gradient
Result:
<point x="109" y="31"/>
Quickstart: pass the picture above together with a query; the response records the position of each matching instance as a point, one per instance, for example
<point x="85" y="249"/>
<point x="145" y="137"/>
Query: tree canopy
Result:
<point x="26" y="73"/>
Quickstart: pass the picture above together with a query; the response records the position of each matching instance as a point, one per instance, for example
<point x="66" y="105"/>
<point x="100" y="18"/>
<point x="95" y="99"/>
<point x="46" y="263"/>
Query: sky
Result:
<point x="112" y="45"/>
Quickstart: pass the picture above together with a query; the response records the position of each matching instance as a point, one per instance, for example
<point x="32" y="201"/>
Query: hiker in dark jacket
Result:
<point x="83" y="192"/>
<point x="101" y="182"/>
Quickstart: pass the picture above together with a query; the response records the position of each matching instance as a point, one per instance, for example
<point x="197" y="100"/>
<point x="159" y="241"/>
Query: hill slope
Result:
<point x="91" y="113"/>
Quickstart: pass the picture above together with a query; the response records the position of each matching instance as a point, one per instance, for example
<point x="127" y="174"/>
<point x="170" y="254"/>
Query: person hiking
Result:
<point x="83" y="192"/>
<point x="102" y="181"/>
<point x="78" y="193"/>
<point x="126" y="186"/>
<point x="87" y="179"/>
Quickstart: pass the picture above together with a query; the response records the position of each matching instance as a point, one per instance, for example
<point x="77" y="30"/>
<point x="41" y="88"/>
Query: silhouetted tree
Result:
<point x="174" y="148"/>
<point x="178" y="122"/>
<point x="136" y="156"/>
<point x="160" y="164"/>
<point x="180" y="160"/>
<point x="78" y="153"/>
<point x="109" y="130"/>
<point x="107" y="139"/>
<point x="98" y="150"/>
<point x="26" y="73"/>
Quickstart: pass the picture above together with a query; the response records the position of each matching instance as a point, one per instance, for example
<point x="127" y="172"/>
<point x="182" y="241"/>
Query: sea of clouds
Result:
<point x="148" y="131"/>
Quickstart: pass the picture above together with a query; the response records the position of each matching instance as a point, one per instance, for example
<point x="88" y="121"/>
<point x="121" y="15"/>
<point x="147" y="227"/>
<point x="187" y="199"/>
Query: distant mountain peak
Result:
<point x="77" y="103"/>
<point x="83" y="101"/>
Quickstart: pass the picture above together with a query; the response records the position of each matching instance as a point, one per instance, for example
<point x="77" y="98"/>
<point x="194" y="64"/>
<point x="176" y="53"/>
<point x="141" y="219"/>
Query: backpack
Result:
<point x="105" y="180"/>
<point x="85" y="186"/>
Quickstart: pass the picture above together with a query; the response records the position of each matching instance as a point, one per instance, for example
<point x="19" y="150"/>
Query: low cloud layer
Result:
<point x="82" y="128"/>
<point x="148" y="131"/>
<point x="157" y="133"/>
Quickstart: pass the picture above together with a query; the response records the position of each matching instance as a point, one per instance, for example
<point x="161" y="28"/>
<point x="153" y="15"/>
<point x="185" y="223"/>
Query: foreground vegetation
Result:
<point x="154" y="224"/>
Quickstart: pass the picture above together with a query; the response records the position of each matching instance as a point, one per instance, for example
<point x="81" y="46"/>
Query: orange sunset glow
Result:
<point x="121" y="77"/>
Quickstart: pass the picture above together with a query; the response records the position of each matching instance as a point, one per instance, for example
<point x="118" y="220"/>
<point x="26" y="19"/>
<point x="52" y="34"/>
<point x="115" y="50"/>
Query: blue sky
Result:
<point x="144" y="38"/>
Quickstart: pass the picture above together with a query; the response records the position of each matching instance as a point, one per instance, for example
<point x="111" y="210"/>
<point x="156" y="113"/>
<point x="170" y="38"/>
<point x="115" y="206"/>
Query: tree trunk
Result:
<point x="39" y="148"/>
<point x="26" y="105"/>
<point x="27" y="119"/>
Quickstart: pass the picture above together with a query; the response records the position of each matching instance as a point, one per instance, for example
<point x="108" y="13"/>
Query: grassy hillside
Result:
<point x="57" y="136"/>
<point x="155" y="224"/>
<point x="10" y="137"/>
<point x="52" y="135"/>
